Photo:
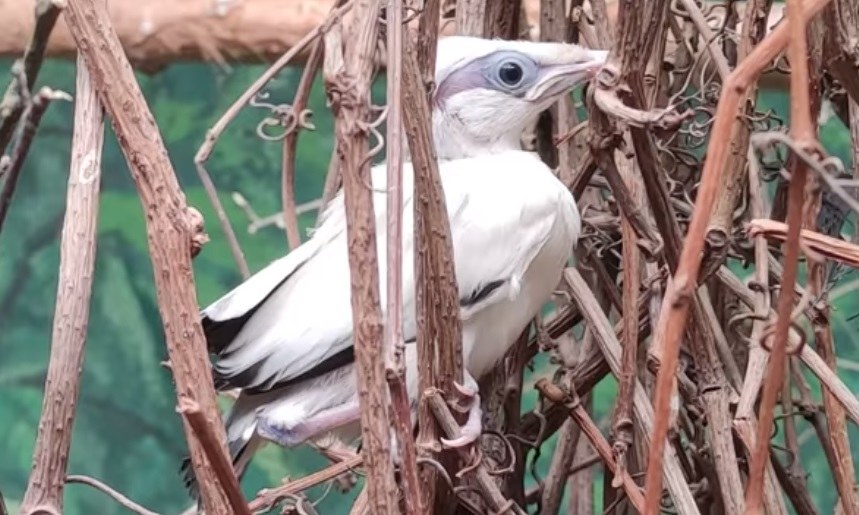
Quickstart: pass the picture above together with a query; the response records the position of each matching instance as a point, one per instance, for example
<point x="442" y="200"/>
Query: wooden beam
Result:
<point x="157" y="33"/>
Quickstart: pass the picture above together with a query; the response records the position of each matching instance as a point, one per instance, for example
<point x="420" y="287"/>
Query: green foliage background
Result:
<point x="127" y="432"/>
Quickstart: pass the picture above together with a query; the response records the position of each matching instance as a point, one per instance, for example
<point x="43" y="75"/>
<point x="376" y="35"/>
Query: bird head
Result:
<point x="489" y="90"/>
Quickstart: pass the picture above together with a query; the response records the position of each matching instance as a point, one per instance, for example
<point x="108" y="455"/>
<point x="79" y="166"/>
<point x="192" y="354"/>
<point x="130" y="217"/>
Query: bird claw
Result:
<point x="473" y="426"/>
<point x="465" y="399"/>
<point x="466" y="391"/>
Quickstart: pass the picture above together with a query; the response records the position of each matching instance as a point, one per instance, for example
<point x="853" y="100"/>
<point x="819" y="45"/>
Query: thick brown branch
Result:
<point x="394" y="344"/>
<point x="221" y="465"/>
<point x="347" y="83"/>
<point x="439" y="338"/>
<point x="802" y="130"/>
<point x="71" y="313"/>
<point x="719" y="232"/>
<point x="170" y="228"/>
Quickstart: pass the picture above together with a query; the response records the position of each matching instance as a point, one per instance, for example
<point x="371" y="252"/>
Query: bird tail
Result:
<point x="242" y="442"/>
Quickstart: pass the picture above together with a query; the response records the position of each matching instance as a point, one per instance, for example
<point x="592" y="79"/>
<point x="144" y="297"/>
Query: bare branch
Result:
<point x="14" y="100"/>
<point x="577" y="412"/>
<point x="215" y="132"/>
<point x="71" y="313"/>
<point x="347" y="85"/>
<point x="32" y="117"/>
<point x="644" y="416"/>
<point x="394" y="344"/>
<point x="221" y="465"/>
<point x="169" y="223"/>
<point x="124" y="501"/>
<point x="675" y="305"/>
<point x="832" y="248"/>
<point x="268" y="497"/>
<point x="290" y="142"/>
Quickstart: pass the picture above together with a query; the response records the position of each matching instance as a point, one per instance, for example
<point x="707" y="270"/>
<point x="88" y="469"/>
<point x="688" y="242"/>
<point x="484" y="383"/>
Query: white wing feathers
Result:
<point x="502" y="209"/>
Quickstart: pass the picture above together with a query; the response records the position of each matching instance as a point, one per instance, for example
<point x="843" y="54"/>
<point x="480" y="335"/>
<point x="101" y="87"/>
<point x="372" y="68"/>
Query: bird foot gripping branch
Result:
<point x="473" y="426"/>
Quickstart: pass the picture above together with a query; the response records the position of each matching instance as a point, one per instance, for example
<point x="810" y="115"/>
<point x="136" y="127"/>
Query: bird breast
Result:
<point x="541" y="200"/>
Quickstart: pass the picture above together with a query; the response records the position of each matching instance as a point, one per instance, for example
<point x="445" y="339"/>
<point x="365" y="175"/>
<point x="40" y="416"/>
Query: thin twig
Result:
<point x="578" y="413"/>
<point x="124" y="501"/>
<point x="268" y="497"/>
<point x="394" y="345"/>
<point x="14" y="100"/>
<point x="215" y="132"/>
<point x="32" y="117"/>
<point x="290" y="142"/>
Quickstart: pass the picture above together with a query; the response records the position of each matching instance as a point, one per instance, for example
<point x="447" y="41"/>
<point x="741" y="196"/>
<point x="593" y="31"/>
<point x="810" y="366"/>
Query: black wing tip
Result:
<point x="189" y="479"/>
<point x="481" y="293"/>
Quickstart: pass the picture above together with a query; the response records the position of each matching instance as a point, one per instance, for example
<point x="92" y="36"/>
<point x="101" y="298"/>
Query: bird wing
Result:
<point x="293" y="319"/>
<point x="289" y="317"/>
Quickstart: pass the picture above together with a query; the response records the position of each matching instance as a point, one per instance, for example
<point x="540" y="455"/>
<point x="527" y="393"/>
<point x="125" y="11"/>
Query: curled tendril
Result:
<point x="283" y="116"/>
<point x="509" y="451"/>
<point x="790" y="351"/>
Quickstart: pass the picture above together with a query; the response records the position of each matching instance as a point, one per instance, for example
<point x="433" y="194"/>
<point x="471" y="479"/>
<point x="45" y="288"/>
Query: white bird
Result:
<point x="284" y="336"/>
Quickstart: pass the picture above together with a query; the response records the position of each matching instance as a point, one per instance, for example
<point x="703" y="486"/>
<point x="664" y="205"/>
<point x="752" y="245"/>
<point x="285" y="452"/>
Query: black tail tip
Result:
<point x="189" y="479"/>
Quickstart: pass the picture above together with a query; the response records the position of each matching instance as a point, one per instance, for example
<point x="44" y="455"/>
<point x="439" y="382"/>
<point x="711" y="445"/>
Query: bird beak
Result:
<point x="560" y="78"/>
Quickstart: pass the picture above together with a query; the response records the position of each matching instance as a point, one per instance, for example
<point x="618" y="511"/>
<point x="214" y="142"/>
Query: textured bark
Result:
<point x="347" y="84"/>
<point x="401" y="412"/>
<point x="170" y="225"/>
<point x="439" y="337"/>
<point x="71" y="314"/>
<point x="719" y="232"/>
<point x="842" y="467"/>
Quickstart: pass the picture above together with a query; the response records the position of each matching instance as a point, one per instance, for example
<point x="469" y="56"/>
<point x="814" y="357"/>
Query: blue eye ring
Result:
<point x="510" y="72"/>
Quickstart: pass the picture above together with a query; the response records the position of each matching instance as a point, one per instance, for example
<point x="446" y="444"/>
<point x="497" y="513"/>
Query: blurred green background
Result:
<point x="127" y="432"/>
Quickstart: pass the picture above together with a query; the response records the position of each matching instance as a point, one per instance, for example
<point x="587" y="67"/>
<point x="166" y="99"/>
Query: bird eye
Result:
<point x="510" y="73"/>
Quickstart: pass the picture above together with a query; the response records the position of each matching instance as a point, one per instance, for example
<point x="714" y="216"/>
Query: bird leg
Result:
<point x="473" y="426"/>
<point x="321" y="422"/>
